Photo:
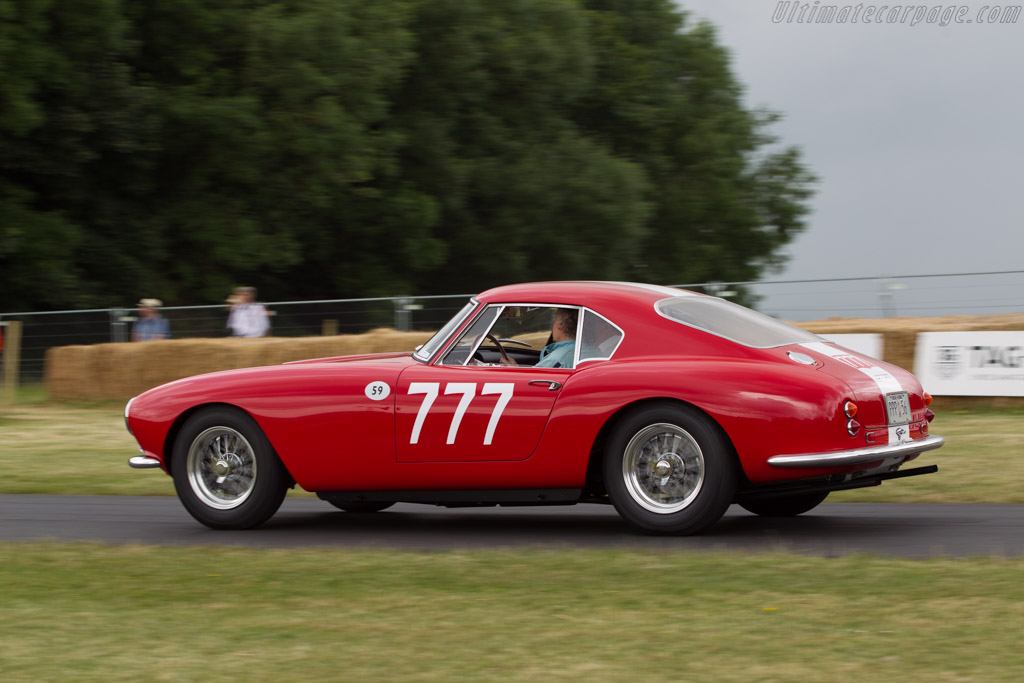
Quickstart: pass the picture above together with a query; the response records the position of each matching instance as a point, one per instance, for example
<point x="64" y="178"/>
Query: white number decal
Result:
<point x="505" y="391"/>
<point x="430" y="389"/>
<point x="377" y="391"/>
<point x="468" y="391"/>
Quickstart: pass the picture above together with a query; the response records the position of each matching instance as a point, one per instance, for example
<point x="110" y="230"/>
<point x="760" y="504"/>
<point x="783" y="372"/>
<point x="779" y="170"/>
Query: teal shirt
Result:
<point x="557" y="355"/>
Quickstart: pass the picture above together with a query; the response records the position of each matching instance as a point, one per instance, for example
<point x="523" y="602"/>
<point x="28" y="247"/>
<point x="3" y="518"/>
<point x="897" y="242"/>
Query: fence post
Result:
<point x="118" y="324"/>
<point x="11" y="356"/>
<point x="402" y="314"/>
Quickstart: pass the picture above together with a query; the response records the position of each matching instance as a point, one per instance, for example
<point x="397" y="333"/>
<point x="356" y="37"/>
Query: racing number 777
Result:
<point x="430" y="390"/>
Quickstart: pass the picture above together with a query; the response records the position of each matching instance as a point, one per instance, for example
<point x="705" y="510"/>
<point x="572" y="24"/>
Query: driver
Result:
<point x="561" y="347"/>
<point x="559" y="352"/>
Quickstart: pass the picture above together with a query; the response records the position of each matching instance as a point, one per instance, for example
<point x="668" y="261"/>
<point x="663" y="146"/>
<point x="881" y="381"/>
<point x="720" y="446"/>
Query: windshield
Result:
<point x="732" y="321"/>
<point x="426" y="351"/>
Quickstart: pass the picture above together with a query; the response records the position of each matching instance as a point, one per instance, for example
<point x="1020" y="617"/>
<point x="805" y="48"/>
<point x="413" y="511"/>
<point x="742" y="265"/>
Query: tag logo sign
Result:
<point x="948" y="361"/>
<point x="994" y="357"/>
<point x="971" y="363"/>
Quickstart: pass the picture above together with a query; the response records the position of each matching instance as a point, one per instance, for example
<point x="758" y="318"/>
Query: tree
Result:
<point x="486" y="113"/>
<point x="725" y="201"/>
<point x="274" y="146"/>
<point x="336" y="148"/>
<point x="75" y="133"/>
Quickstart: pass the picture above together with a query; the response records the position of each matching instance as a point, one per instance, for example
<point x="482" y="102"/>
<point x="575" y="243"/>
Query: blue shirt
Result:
<point x="557" y="355"/>
<point x="155" y="327"/>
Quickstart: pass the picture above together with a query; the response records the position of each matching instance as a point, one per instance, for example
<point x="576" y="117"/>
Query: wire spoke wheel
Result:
<point x="221" y="467"/>
<point x="663" y="468"/>
<point x="226" y="472"/>
<point x="669" y="469"/>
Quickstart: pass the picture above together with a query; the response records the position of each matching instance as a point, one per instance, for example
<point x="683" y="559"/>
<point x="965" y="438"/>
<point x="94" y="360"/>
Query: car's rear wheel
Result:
<point x="668" y="469"/>
<point x="785" y="506"/>
<point x="225" y="471"/>
<point x="362" y="505"/>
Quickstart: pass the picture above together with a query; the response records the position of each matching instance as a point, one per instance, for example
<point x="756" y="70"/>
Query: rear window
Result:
<point x="734" y="322"/>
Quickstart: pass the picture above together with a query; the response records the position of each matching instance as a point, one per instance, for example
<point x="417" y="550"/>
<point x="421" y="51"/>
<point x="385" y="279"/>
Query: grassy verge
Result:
<point x="89" y="612"/>
<point x="83" y="448"/>
<point x="979" y="463"/>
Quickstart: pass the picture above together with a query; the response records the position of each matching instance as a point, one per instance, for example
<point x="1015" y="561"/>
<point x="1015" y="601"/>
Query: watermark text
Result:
<point x="788" y="12"/>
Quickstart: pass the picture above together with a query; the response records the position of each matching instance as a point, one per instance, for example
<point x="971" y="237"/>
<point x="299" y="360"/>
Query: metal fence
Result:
<point x="45" y="330"/>
<point x="794" y="300"/>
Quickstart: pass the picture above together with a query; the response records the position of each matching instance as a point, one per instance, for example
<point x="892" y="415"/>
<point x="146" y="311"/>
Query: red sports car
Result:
<point x="669" y="405"/>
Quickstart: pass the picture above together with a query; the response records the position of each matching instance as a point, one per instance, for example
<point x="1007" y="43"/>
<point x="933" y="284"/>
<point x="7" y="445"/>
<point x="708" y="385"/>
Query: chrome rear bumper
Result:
<point x="857" y="456"/>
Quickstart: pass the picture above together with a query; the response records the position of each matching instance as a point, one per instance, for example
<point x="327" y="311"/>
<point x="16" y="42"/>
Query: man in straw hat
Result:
<point x="150" y="324"/>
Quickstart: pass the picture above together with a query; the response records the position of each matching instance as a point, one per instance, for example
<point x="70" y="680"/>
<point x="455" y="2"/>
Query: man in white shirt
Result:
<point x="247" y="318"/>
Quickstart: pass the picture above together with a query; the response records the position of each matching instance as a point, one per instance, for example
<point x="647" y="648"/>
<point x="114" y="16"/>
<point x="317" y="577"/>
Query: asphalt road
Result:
<point x="832" y="529"/>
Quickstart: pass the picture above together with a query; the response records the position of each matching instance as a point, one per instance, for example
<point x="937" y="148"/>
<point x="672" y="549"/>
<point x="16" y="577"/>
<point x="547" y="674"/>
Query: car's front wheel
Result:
<point x="669" y="469"/>
<point x="784" y="506"/>
<point x="225" y="471"/>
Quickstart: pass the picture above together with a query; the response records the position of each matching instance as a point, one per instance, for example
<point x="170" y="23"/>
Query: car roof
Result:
<point x="583" y="293"/>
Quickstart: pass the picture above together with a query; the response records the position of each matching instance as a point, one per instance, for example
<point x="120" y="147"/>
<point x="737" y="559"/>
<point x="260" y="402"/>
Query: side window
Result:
<point x="517" y="336"/>
<point x="600" y="337"/>
<point x="525" y="326"/>
<point x="471" y="338"/>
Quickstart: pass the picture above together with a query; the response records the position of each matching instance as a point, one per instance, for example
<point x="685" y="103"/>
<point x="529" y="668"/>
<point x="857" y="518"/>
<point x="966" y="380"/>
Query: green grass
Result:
<point x="71" y="448"/>
<point x="83" y="448"/>
<point x="980" y="463"/>
<point x="87" y="612"/>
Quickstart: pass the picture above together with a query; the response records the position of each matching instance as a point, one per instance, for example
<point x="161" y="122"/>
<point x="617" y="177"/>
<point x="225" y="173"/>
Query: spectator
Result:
<point x="247" y="318"/>
<point x="150" y="324"/>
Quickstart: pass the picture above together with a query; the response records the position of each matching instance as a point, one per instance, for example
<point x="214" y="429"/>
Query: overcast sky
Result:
<point x="916" y="133"/>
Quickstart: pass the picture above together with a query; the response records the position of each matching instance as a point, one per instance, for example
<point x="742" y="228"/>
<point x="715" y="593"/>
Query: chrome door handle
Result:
<point x="552" y="384"/>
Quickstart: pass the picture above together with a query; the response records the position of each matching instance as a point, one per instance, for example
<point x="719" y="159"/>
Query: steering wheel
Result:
<point x="493" y="340"/>
<point x="504" y="356"/>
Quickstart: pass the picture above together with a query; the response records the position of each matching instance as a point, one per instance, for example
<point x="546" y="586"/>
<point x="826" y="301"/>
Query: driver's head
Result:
<point x="565" y="323"/>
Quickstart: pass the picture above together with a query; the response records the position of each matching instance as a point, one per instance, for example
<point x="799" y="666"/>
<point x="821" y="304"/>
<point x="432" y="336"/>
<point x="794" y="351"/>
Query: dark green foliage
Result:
<point x="335" y="148"/>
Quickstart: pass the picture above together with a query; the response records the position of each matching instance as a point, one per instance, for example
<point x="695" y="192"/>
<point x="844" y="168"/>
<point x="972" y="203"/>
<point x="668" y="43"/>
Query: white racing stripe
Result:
<point x="882" y="378"/>
<point x="885" y="381"/>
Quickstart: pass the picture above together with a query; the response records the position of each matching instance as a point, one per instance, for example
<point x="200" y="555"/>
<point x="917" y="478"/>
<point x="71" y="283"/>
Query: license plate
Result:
<point x="898" y="407"/>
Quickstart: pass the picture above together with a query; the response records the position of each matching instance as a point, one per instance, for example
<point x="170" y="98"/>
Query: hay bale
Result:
<point x="66" y="369"/>
<point x="120" y="371"/>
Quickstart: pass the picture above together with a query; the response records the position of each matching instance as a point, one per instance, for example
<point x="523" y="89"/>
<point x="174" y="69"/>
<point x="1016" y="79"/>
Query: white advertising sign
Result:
<point x="970" y="363"/>
<point x="869" y="345"/>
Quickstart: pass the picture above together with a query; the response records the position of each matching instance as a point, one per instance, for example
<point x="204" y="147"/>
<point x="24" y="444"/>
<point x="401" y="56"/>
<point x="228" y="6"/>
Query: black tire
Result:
<point x="225" y="471"/>
<point x="787" y="506"/>
<point x="362" y="506"/>
<point x="669" y="469"/>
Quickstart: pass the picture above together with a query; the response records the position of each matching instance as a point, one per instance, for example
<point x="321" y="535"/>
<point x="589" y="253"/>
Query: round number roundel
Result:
<point x="377" y="391"/>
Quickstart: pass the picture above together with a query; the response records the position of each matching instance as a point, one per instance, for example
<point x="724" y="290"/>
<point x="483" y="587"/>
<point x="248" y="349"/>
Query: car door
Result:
<point x="474" y="405"/>
<point x="473" y="414"/>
